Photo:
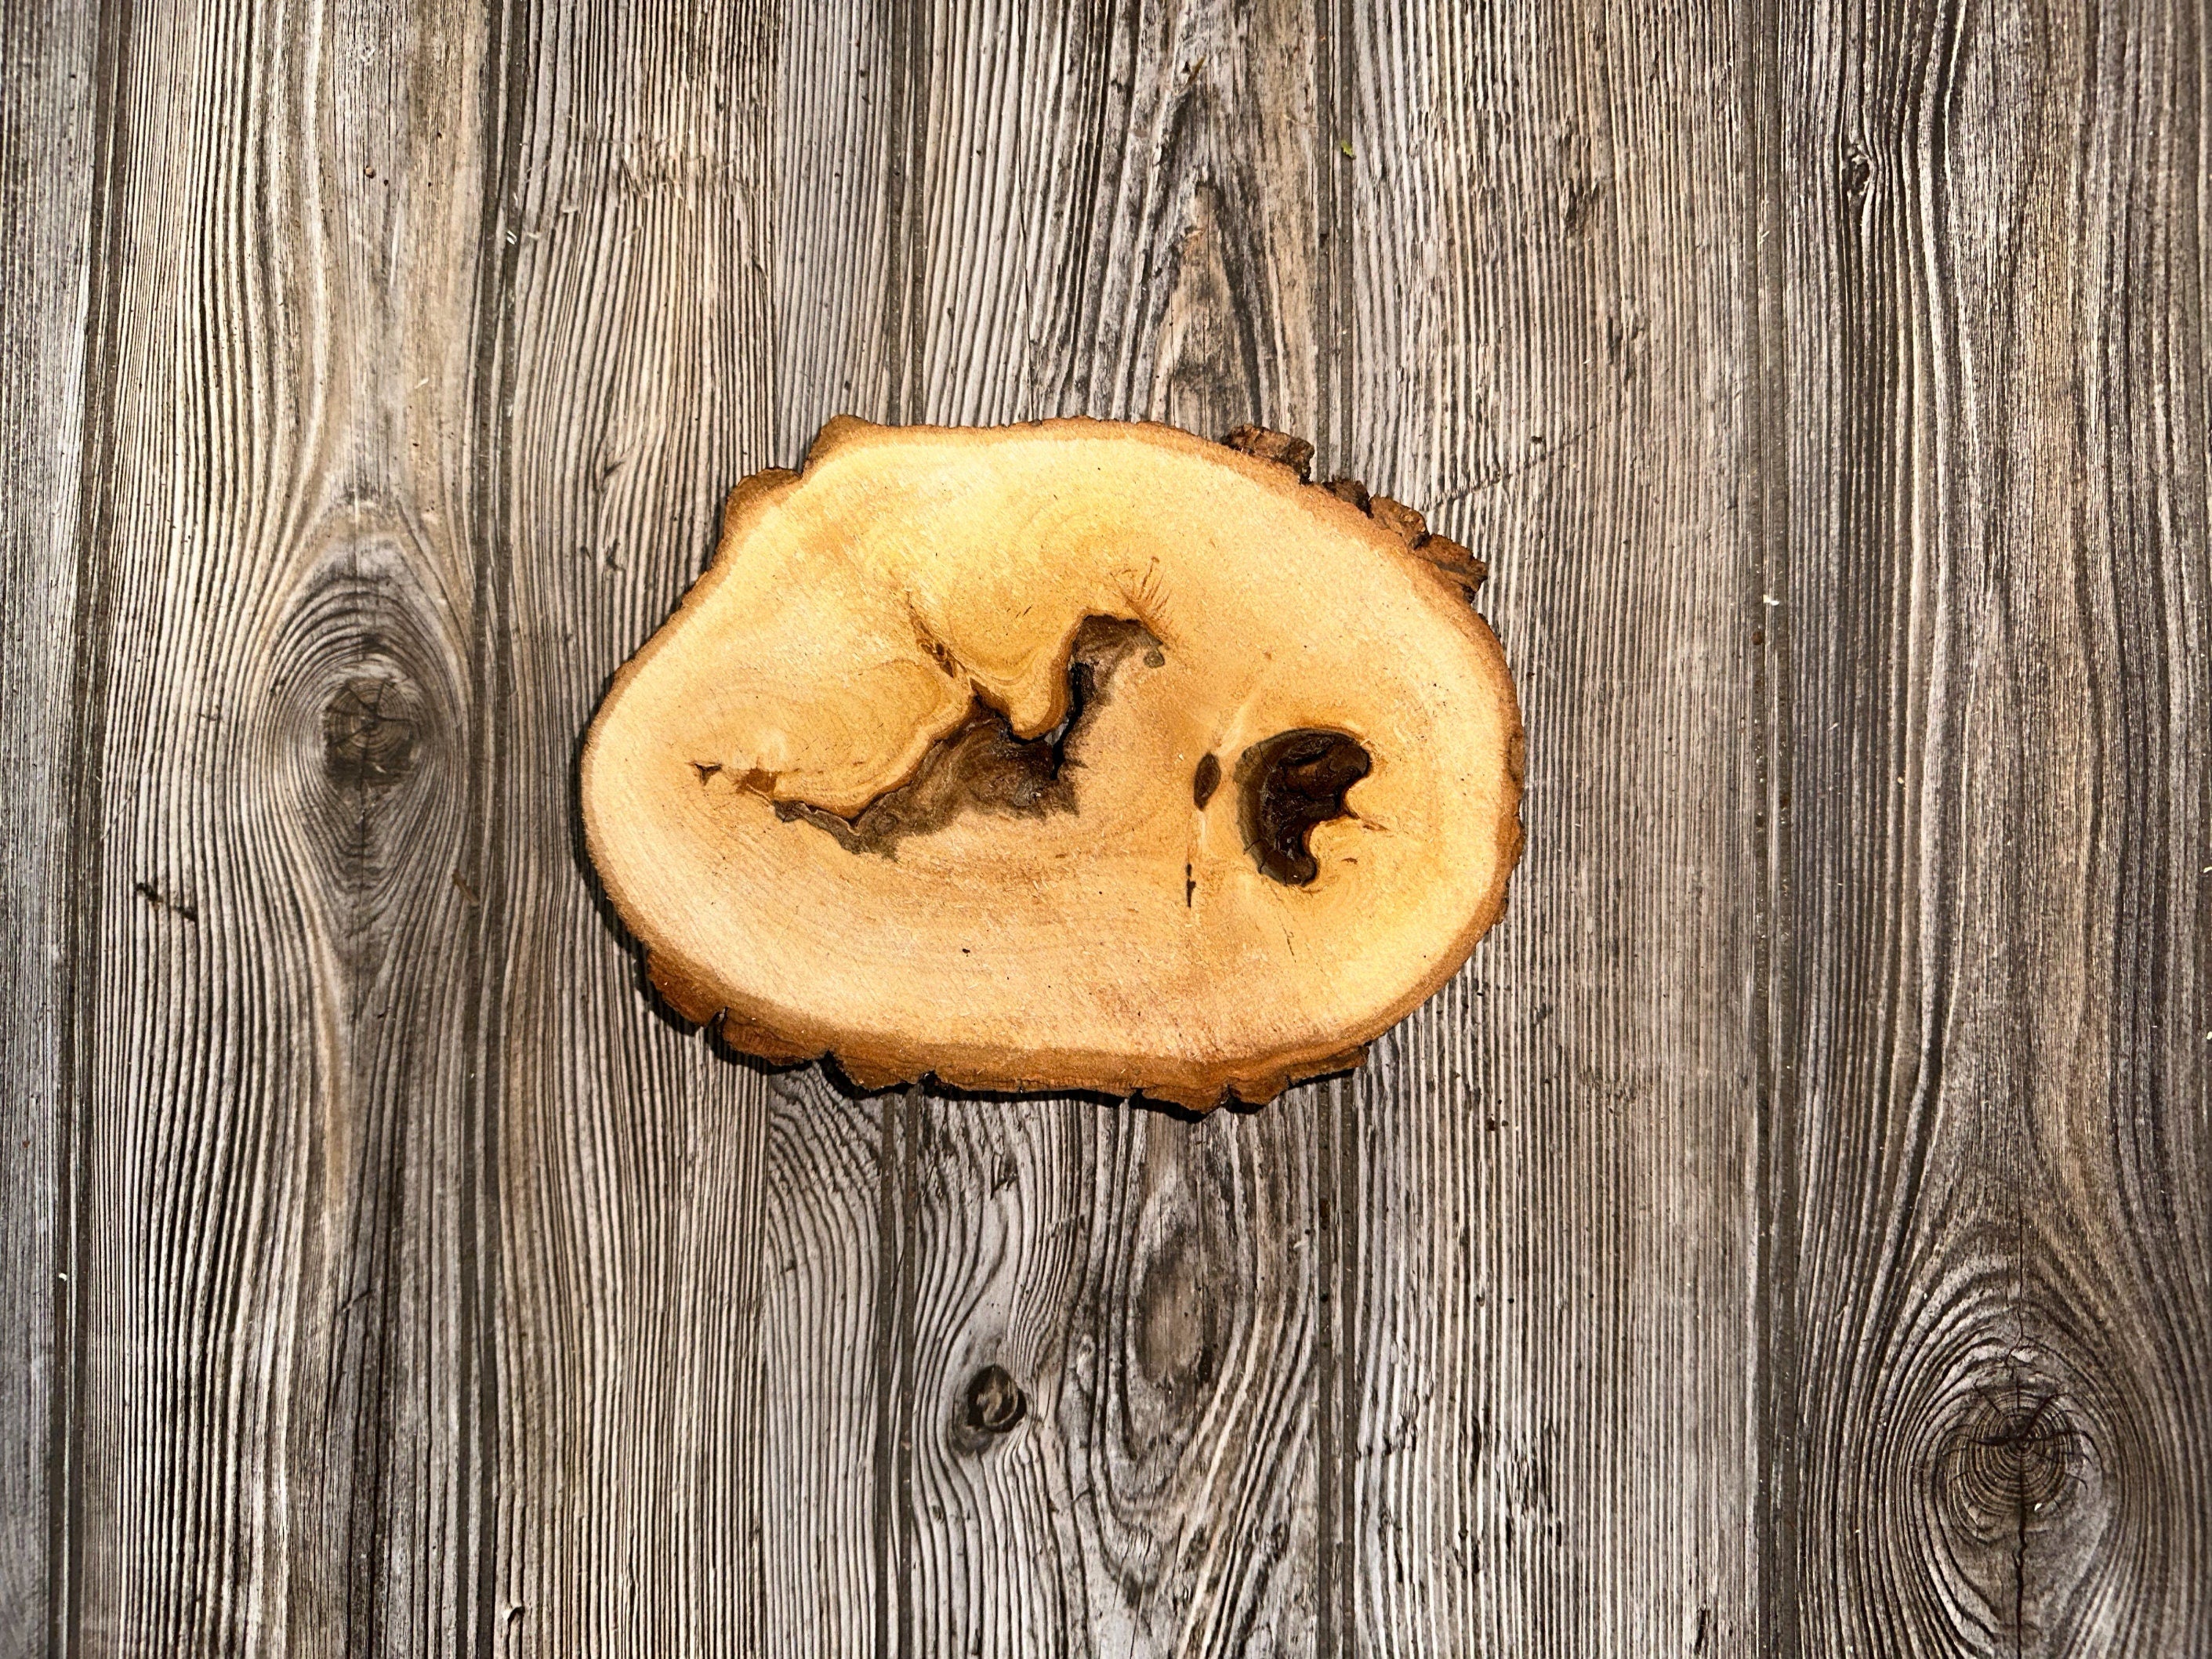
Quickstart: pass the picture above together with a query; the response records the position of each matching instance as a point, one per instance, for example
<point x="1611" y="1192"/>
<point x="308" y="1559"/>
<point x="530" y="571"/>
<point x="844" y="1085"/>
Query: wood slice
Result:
<point x="1080" y="755"/>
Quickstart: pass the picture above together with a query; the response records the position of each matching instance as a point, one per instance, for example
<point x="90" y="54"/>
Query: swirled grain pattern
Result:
<point x="1995" y="1310"/>
<point x="270" y="1438"/>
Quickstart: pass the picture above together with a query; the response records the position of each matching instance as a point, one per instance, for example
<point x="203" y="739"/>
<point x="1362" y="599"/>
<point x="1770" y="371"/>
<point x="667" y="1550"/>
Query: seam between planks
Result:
<point x="911" y="63"/>
<point x="81" y="899"/>
<point x="898" y="1118"/>
<point x="1773" y="1003"/>
<point x="506" y="101"/>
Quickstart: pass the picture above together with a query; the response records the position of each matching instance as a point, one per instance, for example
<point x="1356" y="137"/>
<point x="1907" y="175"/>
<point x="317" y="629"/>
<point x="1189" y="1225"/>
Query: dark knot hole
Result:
<point x="995" y="1400"/>
<point x="1290" y="782"/>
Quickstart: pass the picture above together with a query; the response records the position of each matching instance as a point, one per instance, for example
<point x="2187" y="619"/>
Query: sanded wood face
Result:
<point x="826" y="795"/>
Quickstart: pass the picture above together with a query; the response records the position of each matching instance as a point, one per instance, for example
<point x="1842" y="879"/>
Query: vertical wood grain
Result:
<point x="693" y="1323"/>
<point x="829" y="1341"/>
<point x="1105" y="210"/>
<point x="276" y="1432"/>
<point x="1552" y="1326"/>
<point x="1826" y="387"/>
<point x="2002" y="1304"/>
<point x="637" y="217"/>
<point x="48" y="153"/>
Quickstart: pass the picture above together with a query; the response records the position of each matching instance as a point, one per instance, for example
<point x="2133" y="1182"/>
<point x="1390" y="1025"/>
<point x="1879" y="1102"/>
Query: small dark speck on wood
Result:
<point x="153" y="895"/>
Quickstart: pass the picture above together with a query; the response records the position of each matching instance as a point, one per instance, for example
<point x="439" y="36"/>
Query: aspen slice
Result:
<point x="1083" y="755"/>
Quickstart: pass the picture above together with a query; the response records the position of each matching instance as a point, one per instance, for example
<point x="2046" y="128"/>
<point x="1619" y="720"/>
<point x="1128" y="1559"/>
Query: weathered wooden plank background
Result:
<point x="1791" y="1235"/>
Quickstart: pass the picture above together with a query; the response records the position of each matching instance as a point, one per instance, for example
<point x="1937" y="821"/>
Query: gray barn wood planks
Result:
<point x="1788" y="1235"/>
<point x="1993" y="1270"/>
<point x="49" y="161"/>
<point x="646" y="1278"/>
<point x="270" y="1438"/>
<point x="1547" y="1176"/>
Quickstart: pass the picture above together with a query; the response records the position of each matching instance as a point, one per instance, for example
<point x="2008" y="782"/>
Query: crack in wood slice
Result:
<point x="980" y="765"/>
